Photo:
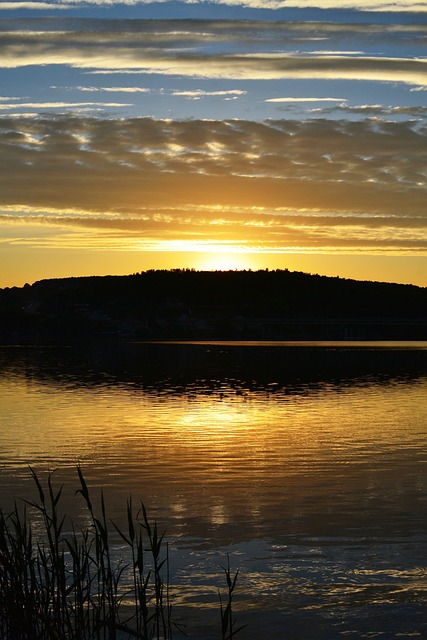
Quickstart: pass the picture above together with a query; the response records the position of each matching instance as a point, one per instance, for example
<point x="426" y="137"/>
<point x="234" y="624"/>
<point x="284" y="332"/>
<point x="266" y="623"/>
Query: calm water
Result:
<point x="306" y="463"/>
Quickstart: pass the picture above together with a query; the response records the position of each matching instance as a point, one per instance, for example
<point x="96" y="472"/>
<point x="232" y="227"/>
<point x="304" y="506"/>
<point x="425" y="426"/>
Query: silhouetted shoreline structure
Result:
<point x="184" y="304"/>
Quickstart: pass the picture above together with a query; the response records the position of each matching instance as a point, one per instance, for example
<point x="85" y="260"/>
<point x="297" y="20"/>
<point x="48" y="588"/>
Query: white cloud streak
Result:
<point x="385" y="6"/>
<point x="361" y="5"/>
<point x="115" y="89"/>
<point x="42" y="6"/>
<point x="200" y="93"/>
<point x="288" y="99"/>
<point x="4" y="106"/>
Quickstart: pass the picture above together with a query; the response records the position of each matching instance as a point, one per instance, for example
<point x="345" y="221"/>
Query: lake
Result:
<point x="305" y="462"/>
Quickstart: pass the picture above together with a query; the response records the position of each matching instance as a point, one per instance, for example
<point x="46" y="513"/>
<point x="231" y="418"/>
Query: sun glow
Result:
<point x="224" y="261"/>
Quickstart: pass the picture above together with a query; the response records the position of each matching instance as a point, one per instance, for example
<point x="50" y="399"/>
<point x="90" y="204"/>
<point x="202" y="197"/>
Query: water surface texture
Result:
<point x="306" y="463"/>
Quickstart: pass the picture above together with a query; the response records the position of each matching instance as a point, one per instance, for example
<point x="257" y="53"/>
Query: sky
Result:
<point x="235" y="134"/>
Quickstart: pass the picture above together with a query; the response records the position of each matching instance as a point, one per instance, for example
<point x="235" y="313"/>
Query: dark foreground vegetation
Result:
<point x="66" y="583"/>
<point x="231" y="305"/>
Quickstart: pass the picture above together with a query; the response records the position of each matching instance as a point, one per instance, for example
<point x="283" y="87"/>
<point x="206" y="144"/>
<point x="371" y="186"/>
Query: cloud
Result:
<point x="32" y="5"/>
<point x="288" y="99"/>
<point x="156" y="47"/>
<point x="114" y="89"/>
<point x="196" y="94"/>
<point x="5" y="106"/>
<point x="383" y="112"/>
<point x="318" y="184"/>
<point x="364" y="5"/>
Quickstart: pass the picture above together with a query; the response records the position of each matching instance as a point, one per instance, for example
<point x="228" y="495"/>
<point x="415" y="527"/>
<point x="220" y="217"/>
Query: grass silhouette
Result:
<point x="72" y="586"/>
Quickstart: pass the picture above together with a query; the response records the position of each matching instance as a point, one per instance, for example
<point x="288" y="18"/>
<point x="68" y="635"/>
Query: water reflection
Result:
<point x="306" y="463"/>
<point x="171" y="368"/>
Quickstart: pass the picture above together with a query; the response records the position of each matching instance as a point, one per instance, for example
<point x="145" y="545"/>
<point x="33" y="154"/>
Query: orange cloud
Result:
<point x="320" y="184"/>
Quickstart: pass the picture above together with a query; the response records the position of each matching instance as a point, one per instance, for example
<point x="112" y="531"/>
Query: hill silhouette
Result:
<point x="184" y="304"/>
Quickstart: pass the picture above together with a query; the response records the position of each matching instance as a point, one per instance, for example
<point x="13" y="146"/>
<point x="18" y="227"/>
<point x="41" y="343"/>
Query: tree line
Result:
<point x="213" y="304"/>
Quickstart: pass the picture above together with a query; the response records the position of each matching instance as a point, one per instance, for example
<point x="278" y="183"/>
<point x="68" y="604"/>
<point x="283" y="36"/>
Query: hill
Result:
<point x="218" y="305"/>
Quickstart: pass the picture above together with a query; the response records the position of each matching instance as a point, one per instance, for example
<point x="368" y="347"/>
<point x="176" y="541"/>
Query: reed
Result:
<point x="71" y="586"/>
<point x="228" y="621"/>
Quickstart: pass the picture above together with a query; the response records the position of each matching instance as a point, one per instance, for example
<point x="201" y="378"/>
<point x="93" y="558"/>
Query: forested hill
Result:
<point x="188" y="304"/>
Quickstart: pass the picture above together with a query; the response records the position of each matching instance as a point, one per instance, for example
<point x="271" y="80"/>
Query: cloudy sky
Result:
<point x="227" y="134"/>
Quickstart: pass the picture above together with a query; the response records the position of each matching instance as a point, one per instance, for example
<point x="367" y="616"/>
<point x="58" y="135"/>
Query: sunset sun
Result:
<point x="224" y="261"/>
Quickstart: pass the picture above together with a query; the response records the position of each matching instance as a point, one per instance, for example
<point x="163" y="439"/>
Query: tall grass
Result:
<point x="228" y="622"/>
<point x="71" y="586"/>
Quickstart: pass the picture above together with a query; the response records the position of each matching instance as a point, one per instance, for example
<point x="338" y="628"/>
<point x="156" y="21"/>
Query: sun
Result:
<point x="222" y="261"/>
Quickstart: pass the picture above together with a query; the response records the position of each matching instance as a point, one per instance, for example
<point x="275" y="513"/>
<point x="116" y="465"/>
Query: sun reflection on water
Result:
<point x="316" y="489"/>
